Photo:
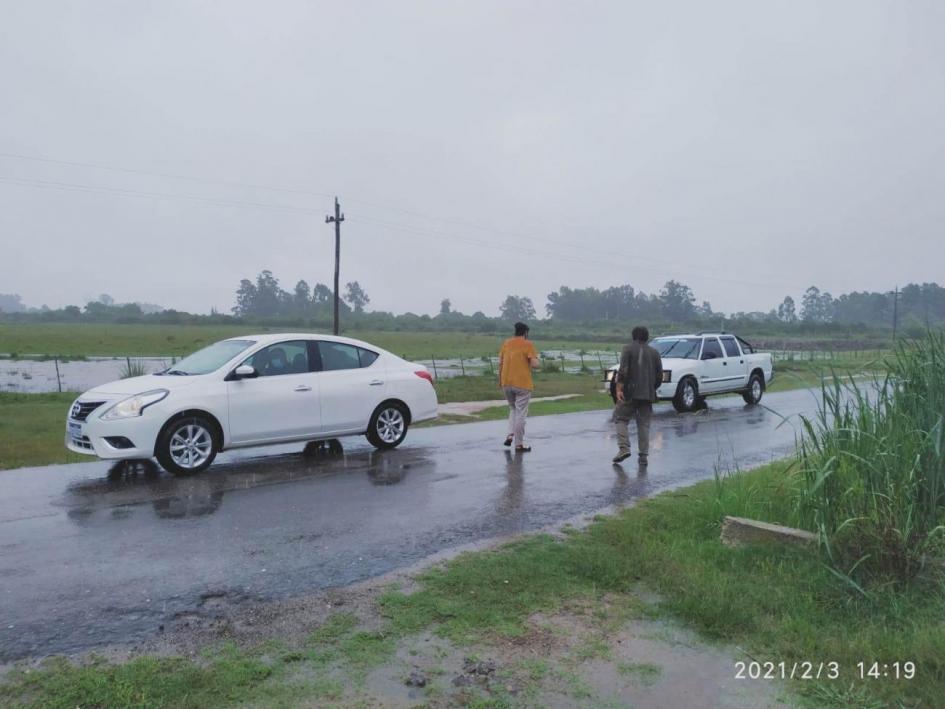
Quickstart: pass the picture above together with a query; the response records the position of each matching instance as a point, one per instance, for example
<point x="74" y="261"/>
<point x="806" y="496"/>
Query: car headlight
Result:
<point x="133" y="405"/>
<point x="667" y="376"/>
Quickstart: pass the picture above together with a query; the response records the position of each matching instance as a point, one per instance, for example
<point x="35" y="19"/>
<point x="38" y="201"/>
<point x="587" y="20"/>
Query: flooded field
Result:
<point x="34" y="376"/>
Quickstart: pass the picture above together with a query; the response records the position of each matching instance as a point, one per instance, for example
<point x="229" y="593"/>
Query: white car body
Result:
<point x="718" y="363"/>
<point x="258" y="410"/>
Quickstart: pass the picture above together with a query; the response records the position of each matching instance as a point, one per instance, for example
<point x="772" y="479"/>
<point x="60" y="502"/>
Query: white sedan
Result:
<point x="253" y="391"/>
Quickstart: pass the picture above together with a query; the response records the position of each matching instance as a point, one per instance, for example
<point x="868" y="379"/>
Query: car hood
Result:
<point x="138" y="385"/>
<point x="672" y="363"/>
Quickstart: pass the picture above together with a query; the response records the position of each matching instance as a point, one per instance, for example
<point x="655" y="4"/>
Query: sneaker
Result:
<point x="508" y="442"/>
<point x="621" y="456"/>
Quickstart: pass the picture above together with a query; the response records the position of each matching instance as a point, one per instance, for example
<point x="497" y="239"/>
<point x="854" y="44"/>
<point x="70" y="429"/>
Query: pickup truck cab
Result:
<point x="705" y="364"/>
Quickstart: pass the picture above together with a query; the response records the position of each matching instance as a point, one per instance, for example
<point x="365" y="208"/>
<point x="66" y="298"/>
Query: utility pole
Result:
<point x="336" y="220"/>
<point x="895" y="311"/>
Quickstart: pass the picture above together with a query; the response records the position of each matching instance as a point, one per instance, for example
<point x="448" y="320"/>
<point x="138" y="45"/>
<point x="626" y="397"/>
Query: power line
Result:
<point x="191" y="178"/>
<point x="449" y="220"/>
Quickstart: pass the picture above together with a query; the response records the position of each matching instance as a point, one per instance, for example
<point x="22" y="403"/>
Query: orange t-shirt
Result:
<point x="516" y="371"/>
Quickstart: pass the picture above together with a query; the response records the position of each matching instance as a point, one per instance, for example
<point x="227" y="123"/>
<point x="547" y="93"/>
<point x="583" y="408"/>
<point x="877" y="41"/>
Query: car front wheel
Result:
<point x="687" y="396"/>
<point x="388" y="426"/>
<point x="187" y="446"/>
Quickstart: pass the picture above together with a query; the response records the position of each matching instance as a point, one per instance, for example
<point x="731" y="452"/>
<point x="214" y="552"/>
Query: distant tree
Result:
<point x="356" y="296"/>
<point x="245" y="299"/>
<point x="445" y="306"/>
<point x="786" y="312"/>
<point x="678" y="301"/>
<point x="321" y="293"/>
<point x="301" y="297"/>
<point x="270" y="298"/>
<point x="11" y="303"/>
<point x="816" y="306"/>
<point x="517" y="308"/>
<point x="72" y="312"/>
<point x="106" y="299"/>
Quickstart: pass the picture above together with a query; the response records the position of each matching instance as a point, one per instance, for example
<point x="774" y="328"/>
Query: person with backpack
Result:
<point x="639" y="376"/>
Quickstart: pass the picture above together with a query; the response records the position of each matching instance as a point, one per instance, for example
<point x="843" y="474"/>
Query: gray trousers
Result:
<point x="641" y="411"/>
<point x="518" y="399"/>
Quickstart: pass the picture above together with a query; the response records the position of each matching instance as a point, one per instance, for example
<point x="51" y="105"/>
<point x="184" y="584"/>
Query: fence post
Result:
<point x="491" y="368"/>
<point x="462" y="365"/>
<point x="435" y="375"/>
<point x="58" y="379"/>
<point x="600" y="362"/>
<point x="581" y="355"/>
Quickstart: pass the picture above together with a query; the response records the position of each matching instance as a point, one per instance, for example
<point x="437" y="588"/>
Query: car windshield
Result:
<point x="678" y="347"/>
<point x="211" y="358"/>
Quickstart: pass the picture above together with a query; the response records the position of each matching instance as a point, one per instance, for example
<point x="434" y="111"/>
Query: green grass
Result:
<point x="87" y="339"/>
<point x="32" y="428"/>
<point x="485" y="388"/>
<point x="779" y="604"/>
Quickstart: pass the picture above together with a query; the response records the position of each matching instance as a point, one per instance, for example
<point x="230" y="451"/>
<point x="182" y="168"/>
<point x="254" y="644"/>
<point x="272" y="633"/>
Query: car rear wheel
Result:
<point x="756" y="389"/>
<point x="388" y="426"/>
<point x="187" y="446"/>
<point x="687" y="396"/>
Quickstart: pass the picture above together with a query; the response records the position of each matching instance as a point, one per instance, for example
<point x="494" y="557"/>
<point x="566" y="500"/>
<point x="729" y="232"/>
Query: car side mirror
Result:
<point x="244" y="371"/>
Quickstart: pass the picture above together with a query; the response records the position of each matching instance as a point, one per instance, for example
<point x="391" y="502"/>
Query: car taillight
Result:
<point x="424" y="374"/>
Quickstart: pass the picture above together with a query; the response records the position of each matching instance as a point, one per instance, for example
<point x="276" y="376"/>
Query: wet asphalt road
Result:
<point x="92" y="556"/>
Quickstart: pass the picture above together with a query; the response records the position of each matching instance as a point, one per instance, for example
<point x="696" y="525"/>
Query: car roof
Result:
<point x="281" y="336"/>
<point x="697" y="334"/>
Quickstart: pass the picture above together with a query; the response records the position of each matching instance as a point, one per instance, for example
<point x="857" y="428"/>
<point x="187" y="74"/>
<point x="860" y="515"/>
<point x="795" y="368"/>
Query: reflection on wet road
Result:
<point x="91" y="554"/>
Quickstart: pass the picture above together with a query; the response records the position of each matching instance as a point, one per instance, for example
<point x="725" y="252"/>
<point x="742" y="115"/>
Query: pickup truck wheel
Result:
<point x="756" y="389"/>
<point x="687" y="395"/>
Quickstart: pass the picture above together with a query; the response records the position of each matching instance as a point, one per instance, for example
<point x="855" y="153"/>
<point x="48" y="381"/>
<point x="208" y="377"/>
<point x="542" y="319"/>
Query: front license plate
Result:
<point x="75" y="430"/>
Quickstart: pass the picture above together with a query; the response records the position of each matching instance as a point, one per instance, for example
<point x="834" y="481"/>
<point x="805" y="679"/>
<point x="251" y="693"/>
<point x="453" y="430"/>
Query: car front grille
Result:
<point x="81" y="409"/>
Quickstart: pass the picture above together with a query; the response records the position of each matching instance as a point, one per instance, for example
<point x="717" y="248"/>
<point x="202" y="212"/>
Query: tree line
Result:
<point x="260" y="300"/>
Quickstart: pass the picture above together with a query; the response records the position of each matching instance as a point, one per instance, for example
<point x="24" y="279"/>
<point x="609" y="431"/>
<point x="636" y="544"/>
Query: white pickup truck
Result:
<point x="706" y="364"/>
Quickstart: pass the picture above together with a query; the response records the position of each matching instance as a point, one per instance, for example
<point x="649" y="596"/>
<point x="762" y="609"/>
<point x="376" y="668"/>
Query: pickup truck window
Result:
<point x="679" y="347"/>
<point x="712" y="349"/>
<point x="746" y="348"/>
<point x="731" y="348"/>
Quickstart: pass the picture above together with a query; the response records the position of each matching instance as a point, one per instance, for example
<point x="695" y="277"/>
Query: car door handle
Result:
<point x="375" y="382"/>
<point x="724" y="364"/>
<point x="302" y="387"/>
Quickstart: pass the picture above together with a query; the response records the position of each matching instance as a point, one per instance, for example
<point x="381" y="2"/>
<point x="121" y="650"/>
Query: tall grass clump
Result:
<point x="133" y="368"/>
<point x="873" y="465"/>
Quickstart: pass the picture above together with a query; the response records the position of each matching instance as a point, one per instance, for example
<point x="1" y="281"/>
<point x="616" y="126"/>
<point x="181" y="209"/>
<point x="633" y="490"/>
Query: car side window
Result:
<point x="281" y="358"/>
<point x="711" y="349"/>
<point x="366" y="357"/>
<point x="338" y="355"/>
<point x="746" y="348"/>
<point x="731" y="347"/>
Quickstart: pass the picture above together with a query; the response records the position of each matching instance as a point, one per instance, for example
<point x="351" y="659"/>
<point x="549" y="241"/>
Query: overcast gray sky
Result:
<point x="749" y="149"/>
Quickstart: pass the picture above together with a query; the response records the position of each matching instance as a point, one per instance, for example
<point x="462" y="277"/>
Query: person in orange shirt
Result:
<point x="517" y="359"/>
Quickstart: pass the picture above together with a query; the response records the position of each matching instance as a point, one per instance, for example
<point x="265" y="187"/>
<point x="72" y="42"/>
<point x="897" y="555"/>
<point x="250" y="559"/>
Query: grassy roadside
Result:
<point x="781" y="605"/>
<point x="32" y="427"/>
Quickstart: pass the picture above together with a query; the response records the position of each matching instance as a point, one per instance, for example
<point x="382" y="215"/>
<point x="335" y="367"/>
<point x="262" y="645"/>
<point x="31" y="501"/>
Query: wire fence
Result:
<point x="52" y="373"/>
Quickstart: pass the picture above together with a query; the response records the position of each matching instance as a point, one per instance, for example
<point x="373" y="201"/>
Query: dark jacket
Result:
<point x="641" y="372"/>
